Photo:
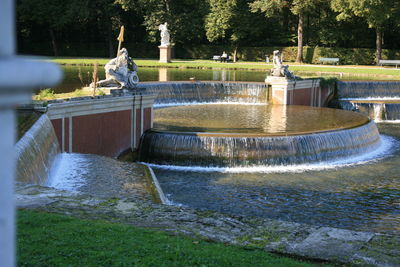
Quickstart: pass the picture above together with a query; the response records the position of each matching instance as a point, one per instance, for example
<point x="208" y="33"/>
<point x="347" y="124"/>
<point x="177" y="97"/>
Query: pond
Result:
<point x="76" y="77"/>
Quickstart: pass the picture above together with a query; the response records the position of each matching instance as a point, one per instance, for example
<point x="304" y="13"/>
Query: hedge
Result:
<point x="352" y="56"/>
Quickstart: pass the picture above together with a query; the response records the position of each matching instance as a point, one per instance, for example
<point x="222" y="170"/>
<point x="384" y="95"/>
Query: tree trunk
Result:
<point x="379" y="41"/>
<point x="235" y="55"/>
<point x="299" y="58"/>
<point x="53" y="42"/>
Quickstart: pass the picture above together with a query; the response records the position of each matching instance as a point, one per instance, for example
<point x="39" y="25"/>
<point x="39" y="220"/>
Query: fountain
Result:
<point x="255" y="134"/>
<point x="225" y="147"/>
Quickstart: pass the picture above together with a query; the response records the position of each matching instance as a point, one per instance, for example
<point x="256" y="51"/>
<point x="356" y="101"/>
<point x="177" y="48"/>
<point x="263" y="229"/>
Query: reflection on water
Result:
<point x="268" y="119"/>
<point x="360" y="197"/>
<point x="79" y="76"/>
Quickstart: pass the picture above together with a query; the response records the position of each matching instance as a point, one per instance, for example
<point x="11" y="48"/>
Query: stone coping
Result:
<point x="314" y="242"/>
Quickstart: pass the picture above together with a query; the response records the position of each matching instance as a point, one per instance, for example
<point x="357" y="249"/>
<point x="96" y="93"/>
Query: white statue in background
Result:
<point x="120" y="71"/>
<point x="280" y="70"/>
<point x="164" y="34"/>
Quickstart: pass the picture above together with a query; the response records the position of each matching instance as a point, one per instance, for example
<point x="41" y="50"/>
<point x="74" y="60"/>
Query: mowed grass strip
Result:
<point x="209" y="64"/>
<point x="46" y="239"/>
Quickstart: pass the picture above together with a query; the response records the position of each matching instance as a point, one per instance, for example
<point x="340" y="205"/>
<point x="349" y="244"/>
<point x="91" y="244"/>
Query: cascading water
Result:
<point x="226" y="151"/>
<point x="367" y="89"/>
<point x="246" y="136"/>
<point x="173" y="93"/>
<point x="36" y="151"/>
<point x="325" y="195"/>
<point x="378" y="100"/>
<point x="392" y="112"/>
<point x="233" y="159"/>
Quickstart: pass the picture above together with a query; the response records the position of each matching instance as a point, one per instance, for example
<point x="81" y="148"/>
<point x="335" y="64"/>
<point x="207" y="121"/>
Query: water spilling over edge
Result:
<point x="386" y="148"/>
<point x="36" y="152"/>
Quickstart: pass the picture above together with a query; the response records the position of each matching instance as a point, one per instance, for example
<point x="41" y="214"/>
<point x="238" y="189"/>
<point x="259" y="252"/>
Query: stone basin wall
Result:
<point x="104" y="126"/>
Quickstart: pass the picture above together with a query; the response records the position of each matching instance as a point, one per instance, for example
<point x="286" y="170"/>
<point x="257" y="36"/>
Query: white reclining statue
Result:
<point x="120" y="72"/>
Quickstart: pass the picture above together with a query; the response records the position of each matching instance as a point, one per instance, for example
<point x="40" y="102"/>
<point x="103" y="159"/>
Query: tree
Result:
<point x="298" y="7"/>
<point x="232" y="21"/>
<point x="375" y="12"/>
<point x="184" y="18"/>
<point x="218" y="20"/>
<point x="52" y="15"/>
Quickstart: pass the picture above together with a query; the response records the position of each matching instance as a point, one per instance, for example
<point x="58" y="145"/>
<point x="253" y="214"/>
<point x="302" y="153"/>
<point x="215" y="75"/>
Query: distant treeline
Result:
<point x="248" y="29"/>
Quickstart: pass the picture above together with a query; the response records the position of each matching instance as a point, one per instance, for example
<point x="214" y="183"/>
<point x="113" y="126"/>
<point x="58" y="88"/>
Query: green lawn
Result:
<point x="209" y="64"/>
<point x="46" y="239"/>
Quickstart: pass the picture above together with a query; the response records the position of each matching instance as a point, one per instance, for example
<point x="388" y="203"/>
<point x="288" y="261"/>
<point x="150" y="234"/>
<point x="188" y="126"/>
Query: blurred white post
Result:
<point x="17" y="79"/>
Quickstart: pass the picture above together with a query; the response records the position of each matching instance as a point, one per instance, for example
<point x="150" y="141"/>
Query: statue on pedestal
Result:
<point x="280" y="70"/>
<point x="120" y="72"/>
<point x="164" y="34"/>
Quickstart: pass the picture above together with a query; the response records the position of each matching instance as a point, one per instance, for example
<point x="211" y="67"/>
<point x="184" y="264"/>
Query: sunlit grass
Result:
<point x="48" y="94"/>
<point x="46" y="239"/>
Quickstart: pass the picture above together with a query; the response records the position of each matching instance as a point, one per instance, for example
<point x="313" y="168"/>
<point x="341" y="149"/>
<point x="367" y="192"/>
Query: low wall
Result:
<point x="105" y="126"/>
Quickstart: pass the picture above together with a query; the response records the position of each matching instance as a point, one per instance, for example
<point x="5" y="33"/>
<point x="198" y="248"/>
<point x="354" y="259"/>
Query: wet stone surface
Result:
<point x="139" y="209"/>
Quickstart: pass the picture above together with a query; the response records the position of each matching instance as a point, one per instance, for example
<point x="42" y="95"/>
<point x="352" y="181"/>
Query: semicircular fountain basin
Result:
<point x="220" y="135"/>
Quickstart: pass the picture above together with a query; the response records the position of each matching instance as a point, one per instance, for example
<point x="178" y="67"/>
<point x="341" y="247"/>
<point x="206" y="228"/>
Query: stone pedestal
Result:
<point x="165" y="54"/>
<point x="294" y="92"/>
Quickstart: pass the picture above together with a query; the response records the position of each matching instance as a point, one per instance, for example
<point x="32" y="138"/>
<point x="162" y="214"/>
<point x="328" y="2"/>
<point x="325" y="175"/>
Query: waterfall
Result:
<point x="392" y="112"/>
<point x="175" y="93"/>
<point x="183" y="149"/>
<point x="378" y="100"/>
<point x="368" y="90"/>
<point x="380" y="112"/>
<point x="36" y="151"/>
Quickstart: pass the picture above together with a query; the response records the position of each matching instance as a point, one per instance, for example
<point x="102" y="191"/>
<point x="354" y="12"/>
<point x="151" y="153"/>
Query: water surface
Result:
<point x="76" y="77"/>
<point x="254" y="119"/>
<point x="359" y="197"/>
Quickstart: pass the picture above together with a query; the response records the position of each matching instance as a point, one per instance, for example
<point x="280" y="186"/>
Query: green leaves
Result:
<point x="272" y="7"/>
<point x="218" y="21"/>
<point x="375" y="12"/>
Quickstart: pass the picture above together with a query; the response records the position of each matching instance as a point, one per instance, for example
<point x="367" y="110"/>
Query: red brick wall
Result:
<point x="301" y="96"/>
<point x="106" y="134"/>
<point x="146" y="119"/>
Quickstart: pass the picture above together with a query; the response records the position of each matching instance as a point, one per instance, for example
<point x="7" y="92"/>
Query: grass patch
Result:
<point x="53" y="240"/>
<point x="48" y="94"/>
<point x="248" y="65"/>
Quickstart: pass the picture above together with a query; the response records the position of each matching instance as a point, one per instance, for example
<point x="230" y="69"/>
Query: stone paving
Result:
<point x="142" y="210"/>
